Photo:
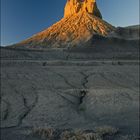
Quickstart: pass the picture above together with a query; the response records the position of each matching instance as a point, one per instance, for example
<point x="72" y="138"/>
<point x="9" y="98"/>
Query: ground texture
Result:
<point x="99" y="98"/>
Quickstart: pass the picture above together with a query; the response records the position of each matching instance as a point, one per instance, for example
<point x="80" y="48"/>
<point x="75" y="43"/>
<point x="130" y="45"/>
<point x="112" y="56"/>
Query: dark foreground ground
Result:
<point x="69" y="95"/>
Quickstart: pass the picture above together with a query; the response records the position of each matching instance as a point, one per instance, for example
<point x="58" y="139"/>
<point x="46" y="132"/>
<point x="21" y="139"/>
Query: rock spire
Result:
<point x="81" y="22"/>
<point x="76" y="6"/>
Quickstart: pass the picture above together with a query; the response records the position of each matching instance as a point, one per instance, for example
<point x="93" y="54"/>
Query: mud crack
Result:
<point x="6" y="111"/>
<point x="28" y="108"/>
<point x="84" y="82"/>
<point x="65" y="80"/>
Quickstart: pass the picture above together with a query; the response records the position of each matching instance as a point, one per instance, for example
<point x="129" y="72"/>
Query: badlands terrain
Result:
<point x="77" y="82"/>
<point x="62" y="94"/>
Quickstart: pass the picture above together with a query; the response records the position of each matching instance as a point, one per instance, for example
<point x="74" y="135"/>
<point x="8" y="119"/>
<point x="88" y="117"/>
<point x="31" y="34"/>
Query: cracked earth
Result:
<point x="69" y="96"/>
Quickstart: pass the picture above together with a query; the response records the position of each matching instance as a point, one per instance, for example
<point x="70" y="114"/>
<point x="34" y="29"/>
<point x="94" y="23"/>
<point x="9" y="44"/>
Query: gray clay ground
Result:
<point x="68" y="97"/>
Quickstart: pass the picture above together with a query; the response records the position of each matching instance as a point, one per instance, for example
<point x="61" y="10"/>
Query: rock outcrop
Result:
<point x="76" y="6"/>
<point x="82" y="20"/>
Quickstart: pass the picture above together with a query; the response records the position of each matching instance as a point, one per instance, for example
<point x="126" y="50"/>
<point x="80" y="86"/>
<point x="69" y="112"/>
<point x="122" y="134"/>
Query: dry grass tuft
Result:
<point x="106" y="130"/>
<point x="99" y="133"/>
<point x="79" y="135"/>
<point x="44" y="133"/>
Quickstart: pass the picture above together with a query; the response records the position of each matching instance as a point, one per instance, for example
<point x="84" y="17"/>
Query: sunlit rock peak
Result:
<point x="81" y="22"/>
<point x="76" y="6"/>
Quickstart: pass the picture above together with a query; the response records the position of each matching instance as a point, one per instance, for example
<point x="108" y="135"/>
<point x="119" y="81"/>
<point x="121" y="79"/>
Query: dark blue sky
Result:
<point x="21" y="19"/>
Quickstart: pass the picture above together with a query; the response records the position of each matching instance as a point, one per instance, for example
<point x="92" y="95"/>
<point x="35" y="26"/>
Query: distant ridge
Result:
<point x="127" y="33"/>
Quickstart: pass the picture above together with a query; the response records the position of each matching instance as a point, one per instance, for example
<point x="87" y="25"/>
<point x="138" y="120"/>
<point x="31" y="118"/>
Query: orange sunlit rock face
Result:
<point x="76" y="6"/>
<point x="82" y="20"/>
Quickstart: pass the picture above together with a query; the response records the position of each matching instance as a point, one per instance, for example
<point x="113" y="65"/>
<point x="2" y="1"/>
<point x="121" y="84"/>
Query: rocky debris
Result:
<point x="76" y="6"/>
